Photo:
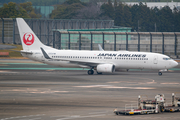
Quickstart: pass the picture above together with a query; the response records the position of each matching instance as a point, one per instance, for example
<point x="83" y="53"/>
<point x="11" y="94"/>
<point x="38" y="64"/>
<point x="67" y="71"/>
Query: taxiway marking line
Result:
<point x="79" y="117"/>
<point x="17" y="117"/>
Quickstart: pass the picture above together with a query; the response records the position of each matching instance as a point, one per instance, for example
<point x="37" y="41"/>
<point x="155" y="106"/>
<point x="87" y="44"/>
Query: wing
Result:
<point x="88" y="63"/>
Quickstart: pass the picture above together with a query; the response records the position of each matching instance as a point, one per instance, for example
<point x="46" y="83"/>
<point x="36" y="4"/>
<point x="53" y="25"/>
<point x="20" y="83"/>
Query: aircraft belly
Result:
<point x="64" y="64"/>
<point x="133" y="65"/>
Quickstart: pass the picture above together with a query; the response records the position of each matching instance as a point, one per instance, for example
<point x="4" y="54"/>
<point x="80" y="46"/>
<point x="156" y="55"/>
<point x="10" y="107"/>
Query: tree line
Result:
<point x="35" y="2"/>
<point x="139" y="17"/>
<point x="142" y="18"/>
<point x="14" y="10"/>
<point x="53" y="2"/>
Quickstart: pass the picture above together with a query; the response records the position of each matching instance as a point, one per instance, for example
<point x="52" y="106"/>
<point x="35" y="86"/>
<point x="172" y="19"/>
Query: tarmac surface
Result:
<point x="35" y="91"/>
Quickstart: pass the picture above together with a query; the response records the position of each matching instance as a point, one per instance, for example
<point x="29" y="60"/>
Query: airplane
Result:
<point x="101" y="61"/>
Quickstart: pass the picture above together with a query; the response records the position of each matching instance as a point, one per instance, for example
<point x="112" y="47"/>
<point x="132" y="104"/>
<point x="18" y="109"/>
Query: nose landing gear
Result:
<point x="159" y="73"/>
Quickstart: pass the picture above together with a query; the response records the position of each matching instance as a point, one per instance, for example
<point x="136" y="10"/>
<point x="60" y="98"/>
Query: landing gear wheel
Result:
<point x="90" y="72"/>
<point x="159" y="73"/>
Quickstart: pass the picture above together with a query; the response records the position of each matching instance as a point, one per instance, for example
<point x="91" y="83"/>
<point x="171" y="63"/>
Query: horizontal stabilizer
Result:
<point x="27" y="52"/>
<point x="22" y="51"/>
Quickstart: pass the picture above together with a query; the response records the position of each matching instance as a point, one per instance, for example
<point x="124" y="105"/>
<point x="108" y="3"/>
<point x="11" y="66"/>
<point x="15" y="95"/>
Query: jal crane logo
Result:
<point x="28" y="38"/>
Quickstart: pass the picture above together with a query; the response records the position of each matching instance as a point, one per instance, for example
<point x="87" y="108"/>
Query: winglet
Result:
<point x="45" y="54"/>
<point x="100" y="48"/>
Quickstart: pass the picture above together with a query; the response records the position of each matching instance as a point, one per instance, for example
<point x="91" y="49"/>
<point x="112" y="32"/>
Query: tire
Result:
<point x="159" y="73"/>
<point x="90" y="72"/>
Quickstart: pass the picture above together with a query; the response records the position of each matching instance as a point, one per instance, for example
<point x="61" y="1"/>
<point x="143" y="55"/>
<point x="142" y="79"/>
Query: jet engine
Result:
<point x="105" y="68"/>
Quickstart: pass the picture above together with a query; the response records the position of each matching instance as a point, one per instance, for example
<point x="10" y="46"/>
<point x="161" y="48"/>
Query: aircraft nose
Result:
<point x="174" y="63"/>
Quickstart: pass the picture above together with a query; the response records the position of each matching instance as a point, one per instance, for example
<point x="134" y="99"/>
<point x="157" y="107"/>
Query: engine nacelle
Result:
<point x="106" y="68"/>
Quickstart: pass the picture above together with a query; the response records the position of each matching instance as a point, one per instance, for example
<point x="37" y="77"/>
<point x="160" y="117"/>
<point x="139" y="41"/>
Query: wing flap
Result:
<point x="87" y="63"/>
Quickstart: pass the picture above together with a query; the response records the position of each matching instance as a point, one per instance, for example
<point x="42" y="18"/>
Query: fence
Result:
<point x="43" y="28"/>
<point x="166" y="42"/>
<point x="48" y="32"/>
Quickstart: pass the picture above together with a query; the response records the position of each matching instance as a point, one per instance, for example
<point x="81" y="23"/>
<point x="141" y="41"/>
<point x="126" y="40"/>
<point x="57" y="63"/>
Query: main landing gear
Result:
<point x="90" y="72"/>
<point x="99" y="72"/>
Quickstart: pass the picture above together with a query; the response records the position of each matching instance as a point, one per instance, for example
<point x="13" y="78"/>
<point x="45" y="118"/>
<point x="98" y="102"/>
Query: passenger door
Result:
<point x="155" y="59"/>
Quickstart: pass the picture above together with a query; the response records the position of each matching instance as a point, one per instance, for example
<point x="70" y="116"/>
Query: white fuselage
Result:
<point x="101" y="61"/>
<point x="121" y="59"/>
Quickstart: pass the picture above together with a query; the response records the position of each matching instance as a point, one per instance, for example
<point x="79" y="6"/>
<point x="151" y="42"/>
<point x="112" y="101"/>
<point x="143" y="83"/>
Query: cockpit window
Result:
<point x="166" y="58"/>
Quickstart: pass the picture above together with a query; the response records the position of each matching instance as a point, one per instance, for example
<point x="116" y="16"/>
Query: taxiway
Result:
<point x="34" y="91"/>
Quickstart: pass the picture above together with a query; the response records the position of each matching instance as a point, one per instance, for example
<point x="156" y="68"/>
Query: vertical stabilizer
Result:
<point x="28" y="38"/>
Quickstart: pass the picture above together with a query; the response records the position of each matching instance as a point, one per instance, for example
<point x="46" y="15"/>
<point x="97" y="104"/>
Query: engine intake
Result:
<point x="109" y="68"/>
